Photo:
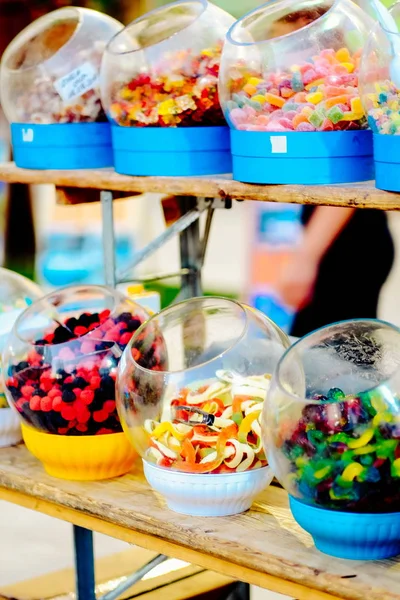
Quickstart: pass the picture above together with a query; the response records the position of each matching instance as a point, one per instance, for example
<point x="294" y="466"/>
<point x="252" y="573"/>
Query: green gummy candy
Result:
<point x="335" y="395"/>
<point x="335" y="114"/>
<point x="315" y="119"/>
<point x="386" y="448"/>
<point x="339" y="437"/>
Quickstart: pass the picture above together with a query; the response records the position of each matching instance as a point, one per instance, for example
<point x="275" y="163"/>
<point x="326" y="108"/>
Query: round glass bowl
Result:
<point x="331" y="426"/>
<point x="381" y="100"/>
<point x="16" y="293"/>
<point x="159" y="83"/>
<point x="60" y="368"/>
<point x="289" y="69"/>
<point x="194" y="415"/>
<point x="49" y="78"/>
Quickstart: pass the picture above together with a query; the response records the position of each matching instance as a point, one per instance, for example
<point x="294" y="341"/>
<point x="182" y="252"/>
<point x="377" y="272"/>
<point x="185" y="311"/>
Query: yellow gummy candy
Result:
<point x="396" y="467"/>
<point x="343" y="55"/>
<point x="254" y="81"/>
<point x="352" y="471"/>
<point x="363" y="440"/>
<point x="208" y="52"/>
<point x="166" y="107"/>
<point x="356" y="106"/>
<point x="348" y="66"/>
<point x="315" y="97"/>
<point x="382" y="417"/>
<point x="259" y="98"/>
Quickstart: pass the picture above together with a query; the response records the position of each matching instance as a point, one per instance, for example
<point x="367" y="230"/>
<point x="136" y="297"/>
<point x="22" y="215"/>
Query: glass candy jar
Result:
<point x="50" y="91"/>
<point x="331" y="426"/>
<point x="159" y="88"/>
<point x="289" y="69"/>
<point x="194" y="415"/>
<point x="16" y="293"/>
<point x="60" y="369"/>
<point x="380" y="94"/>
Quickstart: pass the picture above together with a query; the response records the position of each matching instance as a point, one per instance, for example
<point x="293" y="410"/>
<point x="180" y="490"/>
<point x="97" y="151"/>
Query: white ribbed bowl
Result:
<point x="207" y="495"/>
<point x="10" y="428"/>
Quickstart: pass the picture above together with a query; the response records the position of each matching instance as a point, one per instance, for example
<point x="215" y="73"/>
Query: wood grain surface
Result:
<point x="360" y="195"/>
<point x="263" y="546"/>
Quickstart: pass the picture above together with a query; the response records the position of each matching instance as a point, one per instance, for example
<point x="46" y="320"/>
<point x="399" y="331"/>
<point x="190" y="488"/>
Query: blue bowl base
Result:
<point x="172" y="164"/>
<point x="351" y="552"/>
<point x="62" y="146"/>
<point x="303" y="171"/>
<point x="354" y="536"/>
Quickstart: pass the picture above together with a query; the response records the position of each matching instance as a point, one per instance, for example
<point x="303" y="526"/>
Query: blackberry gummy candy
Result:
<point x="65" y="384"/>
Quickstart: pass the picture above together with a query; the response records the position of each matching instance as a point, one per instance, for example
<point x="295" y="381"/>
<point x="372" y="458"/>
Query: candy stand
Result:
<point x="238" y="524"/>
<point x="263" y="546"/>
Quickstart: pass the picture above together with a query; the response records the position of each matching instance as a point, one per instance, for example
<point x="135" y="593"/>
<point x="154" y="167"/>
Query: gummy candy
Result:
<point x="326" y="85"/>
<point x="344" y="452"/>
<point x="65" y="384"/>
<point x="181" y="93"/>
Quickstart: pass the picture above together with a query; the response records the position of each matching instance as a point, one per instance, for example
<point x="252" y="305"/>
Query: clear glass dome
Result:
<point x="379" y="94"/>
<point x="293" y="66"/>
<point x="162" y="69"/>
<point x="61" y="359"/>
<point x="331" y="424"/>
<point x="197" y="408"/>
<point x="16" y="293"/>
<point x="50" y="71"/>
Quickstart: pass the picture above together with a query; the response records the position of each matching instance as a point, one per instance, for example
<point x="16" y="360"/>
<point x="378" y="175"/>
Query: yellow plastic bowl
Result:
<point x="81" y="458"/>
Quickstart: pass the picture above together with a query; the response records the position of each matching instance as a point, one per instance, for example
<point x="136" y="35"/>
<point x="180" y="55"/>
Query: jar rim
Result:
<point x="38" y="27"/>
<point x="300" y="341"/>
<point x="176" y="307"/>
<point x="273" y="6"/>
<point x="71" y="289"/>
<point x="202" y="3"/>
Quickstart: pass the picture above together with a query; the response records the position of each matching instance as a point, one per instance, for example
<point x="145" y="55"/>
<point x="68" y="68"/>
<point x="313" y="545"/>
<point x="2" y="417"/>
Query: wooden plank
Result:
<point x="263" y="546"/>
<point x="360" y="195"/>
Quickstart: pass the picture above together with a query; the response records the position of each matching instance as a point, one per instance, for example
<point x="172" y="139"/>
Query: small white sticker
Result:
<point x="278" y="144"/>
<point x="77" y="82"/>
<point x="27" y="135"/>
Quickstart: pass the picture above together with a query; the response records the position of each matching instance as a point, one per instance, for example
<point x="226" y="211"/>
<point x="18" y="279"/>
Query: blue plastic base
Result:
<point x="171" y="151"/>
<point x="62" y="146"/>
<point x="354" y="536"/>
<point x="387" y="162"/>
<point x="309" y="158"/>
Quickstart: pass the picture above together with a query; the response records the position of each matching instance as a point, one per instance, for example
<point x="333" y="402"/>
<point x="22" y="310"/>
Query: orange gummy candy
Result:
<point x="345" y="99"/>
<point x="275" y="100"/>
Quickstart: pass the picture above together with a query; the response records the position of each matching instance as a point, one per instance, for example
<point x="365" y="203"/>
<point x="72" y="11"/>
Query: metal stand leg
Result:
<point x="84" y="564"/>
<point x="106" y="199"/>
<point x="190" y="250"/>
<point x="134" y="578"/>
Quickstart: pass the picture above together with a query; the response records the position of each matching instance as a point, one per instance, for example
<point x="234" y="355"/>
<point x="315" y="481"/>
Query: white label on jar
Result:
<point x="77" y="82"/>
<point x="278" y="144"/>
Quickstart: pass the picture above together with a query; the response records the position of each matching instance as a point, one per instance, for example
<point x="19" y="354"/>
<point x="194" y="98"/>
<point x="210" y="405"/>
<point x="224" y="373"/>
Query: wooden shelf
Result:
<point x="360" y="195"/>
<point x="263" y="546"/>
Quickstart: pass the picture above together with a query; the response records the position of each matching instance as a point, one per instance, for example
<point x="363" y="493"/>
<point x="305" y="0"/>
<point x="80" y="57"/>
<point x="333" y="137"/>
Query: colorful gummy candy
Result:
<point x="344" y="452"/>
<point x="383" y="108"/>
<point x="182" y="91"/>
<point x="318" y="95"/>
<point x="66" y="383"/>
<point x="213" y="429"/>
<point x="39" y="102"/>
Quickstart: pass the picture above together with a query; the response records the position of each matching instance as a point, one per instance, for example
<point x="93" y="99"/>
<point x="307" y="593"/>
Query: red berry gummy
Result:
<point x="66" y="386"/>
